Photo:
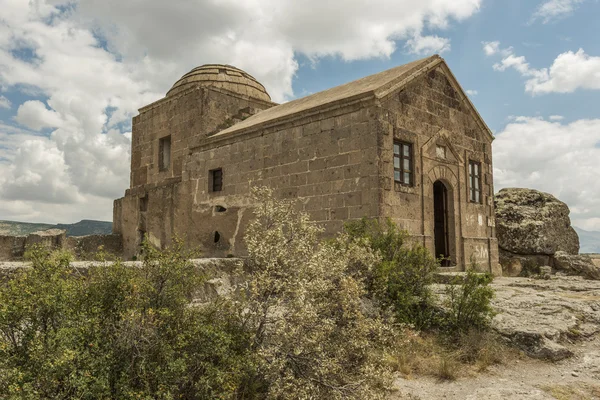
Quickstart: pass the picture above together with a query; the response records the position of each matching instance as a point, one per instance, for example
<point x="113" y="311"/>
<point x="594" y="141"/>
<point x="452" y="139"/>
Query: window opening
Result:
<point x="440" y="151"/>
<point x="144" y="203"/>
<point x="216" y="178"/>
<point x="474" y="181"/>
<point x="403" y="161"/>
<point x="164" y="153"/>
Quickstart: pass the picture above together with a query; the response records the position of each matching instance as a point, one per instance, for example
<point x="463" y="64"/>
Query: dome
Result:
<point x="221" y="76"/>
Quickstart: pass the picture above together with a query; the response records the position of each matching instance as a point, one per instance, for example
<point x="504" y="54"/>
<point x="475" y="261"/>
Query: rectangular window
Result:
<point x="475" y="181"/>
<point x="144" y="203"/>
<point x="164" y="153"/>
<point x="216" y="180"/>
<point x="403" y="162"/>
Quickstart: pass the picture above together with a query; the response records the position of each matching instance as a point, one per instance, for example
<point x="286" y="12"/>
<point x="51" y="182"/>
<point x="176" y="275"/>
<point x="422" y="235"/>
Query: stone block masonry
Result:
<point x="334" y="152"/>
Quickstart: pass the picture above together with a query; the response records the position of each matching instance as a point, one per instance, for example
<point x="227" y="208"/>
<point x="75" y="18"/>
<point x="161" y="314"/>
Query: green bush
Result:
<point x="299" y="330"/>
<point x="117" y="333"/>
<point x="305" y="310"/>
<point x="468" y="303"/>
<point x="402" y="278"/>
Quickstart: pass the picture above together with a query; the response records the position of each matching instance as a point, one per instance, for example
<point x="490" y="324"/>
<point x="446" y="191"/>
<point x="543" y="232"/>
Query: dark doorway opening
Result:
<point x="440" y="216"/>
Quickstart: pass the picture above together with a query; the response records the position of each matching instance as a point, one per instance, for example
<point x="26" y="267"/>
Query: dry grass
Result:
<point x="575" y="391"/>
<point x="423" y="354"/>
<point x="448" y="368"/>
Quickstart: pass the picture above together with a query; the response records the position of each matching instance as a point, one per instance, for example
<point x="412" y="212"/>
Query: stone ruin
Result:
<point x="12" y="248"/>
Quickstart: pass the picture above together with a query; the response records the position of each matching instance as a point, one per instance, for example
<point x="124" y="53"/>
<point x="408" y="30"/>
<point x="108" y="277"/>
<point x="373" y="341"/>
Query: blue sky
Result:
<point x="74" y="72"/>
<point x="500" y="95"/>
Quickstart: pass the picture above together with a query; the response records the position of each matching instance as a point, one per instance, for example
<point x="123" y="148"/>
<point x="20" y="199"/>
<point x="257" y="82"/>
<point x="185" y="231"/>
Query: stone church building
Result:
<point x="405" y="143"/>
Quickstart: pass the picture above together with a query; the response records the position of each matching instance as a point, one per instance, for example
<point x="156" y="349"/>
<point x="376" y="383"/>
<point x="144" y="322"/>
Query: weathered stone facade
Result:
<point x="332" y="151"/>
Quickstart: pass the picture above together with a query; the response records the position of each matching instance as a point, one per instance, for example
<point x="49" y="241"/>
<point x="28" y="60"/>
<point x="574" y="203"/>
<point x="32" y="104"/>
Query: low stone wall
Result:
<point x="12" y="248"/>
<point x="224" y="276"/>
<point x="84" y="247"/>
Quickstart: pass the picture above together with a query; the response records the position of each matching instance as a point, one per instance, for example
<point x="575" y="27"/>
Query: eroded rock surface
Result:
<point x="576" y="264"/>
<point x="531" y="222"/>
<point x="554" y="321"/>
<point x="543" y="316"/>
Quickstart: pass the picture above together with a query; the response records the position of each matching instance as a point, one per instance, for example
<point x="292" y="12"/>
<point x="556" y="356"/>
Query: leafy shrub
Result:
<point x="468" y="301"/>
<point x="402" y="278"/>
<point x="117" y="332"/>
<point x="305" y="312"/>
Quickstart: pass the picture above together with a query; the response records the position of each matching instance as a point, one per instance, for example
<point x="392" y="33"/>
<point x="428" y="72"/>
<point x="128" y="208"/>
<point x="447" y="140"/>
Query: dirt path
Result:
<point x="545" y="318"/>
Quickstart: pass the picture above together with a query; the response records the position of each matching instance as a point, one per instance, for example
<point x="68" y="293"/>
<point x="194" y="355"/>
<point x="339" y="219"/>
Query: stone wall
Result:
<point x="12" y="248"/>
<point x="84" y="247"/>
<point x="185" y="117"/>
<point x="326" y="162"/>
<point x="429" y="113"/>
<point x="223" y="275"/>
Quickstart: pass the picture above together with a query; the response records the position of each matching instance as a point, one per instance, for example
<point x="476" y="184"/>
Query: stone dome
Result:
<point x="221" y="76"/>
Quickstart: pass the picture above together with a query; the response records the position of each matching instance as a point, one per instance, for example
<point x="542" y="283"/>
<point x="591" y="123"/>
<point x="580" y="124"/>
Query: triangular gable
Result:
<point x="438" y="62"/>
<point x="443" y="137"/>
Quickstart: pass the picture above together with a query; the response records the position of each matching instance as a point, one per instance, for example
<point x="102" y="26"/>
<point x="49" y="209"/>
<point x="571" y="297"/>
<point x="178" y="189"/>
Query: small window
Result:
<point x="144" y="203"/>
<point x="440" y="151"/>
<point x="164" y="153"/>
<point x="403" y="162"/>
<point x="216" y="180"/>
<point x="475" y="182"/>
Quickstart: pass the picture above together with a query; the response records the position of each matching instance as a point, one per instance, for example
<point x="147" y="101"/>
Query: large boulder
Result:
<point x="530" y="222"/>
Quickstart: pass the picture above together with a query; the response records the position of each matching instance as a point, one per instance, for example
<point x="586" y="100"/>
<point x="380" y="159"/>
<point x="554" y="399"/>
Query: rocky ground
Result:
<point x="556" y="322"/>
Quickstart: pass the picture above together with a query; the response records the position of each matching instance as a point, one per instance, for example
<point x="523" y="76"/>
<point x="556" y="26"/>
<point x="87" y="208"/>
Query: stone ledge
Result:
<point x="224" y="276"/>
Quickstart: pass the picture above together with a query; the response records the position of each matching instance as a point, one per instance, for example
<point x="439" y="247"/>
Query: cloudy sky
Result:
<point x="73" y="73"/>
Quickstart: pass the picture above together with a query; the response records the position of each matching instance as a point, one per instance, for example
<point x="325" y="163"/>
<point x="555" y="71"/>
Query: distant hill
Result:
<point x="81" y="228"/>
<point x="589" y="241"/>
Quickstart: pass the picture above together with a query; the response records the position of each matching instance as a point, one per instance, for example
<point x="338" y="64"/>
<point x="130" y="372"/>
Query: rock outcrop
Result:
<point x="542" y="317"/>
<point x="530" y="222"/>
<point x="576" y="265"/>
<point x="534" y="230"/>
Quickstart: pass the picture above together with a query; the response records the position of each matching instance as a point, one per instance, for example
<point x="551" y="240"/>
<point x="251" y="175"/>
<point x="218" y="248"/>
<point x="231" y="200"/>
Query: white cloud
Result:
<point x="551" y="10"/>
<point x="4" y="102"/>
<point x="428" y="45"/>
<point x="557" y="158"/>
<point x="491" y="48"/>
<point x="91" y="65"/>
<point x="569" y="72"/>
<point x="472" y="92"/>
<point x="34" y="115"/>
<point x="556" y="118"/>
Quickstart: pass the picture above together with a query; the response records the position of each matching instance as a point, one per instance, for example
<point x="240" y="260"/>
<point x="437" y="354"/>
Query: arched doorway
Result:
<point x="441" y="226"/>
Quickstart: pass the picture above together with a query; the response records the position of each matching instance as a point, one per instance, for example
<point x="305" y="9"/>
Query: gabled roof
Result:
<point x="373" y="86"/>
